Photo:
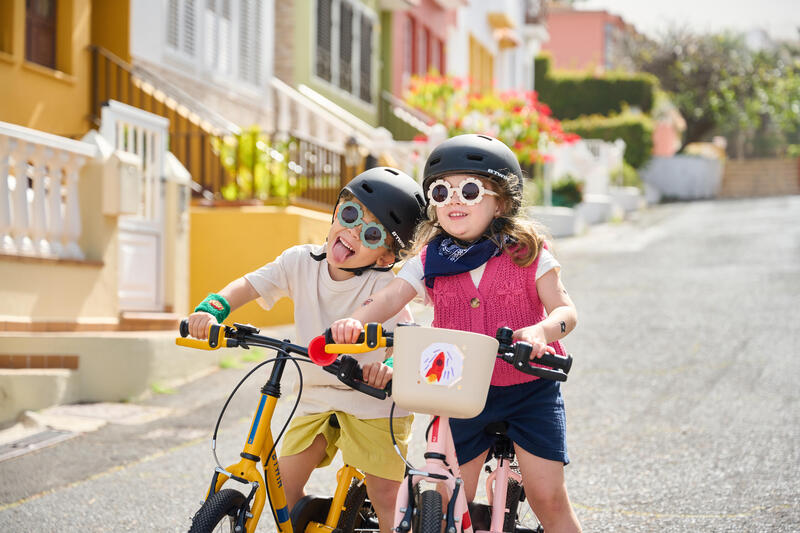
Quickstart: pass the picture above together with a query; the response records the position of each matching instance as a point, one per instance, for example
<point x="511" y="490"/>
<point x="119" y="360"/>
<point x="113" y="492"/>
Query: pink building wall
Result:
<point x="578" y="38"/>
<point x="429" y="22"/>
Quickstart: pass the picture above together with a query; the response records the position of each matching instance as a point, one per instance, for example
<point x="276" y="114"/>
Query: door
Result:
<point x="141" y="235"/>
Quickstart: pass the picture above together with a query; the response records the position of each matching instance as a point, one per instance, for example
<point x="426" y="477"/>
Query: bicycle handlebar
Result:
<point x="517" y="354"/>
<point x="346" y="368"/>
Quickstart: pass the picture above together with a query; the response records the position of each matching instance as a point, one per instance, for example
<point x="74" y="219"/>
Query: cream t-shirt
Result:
<point x="318" y="302"/>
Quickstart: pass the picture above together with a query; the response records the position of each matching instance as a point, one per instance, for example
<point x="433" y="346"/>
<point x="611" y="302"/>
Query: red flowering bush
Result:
<point x="515" y="117"/>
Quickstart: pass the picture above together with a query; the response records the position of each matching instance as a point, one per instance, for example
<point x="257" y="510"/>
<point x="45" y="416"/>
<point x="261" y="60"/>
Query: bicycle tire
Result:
<point x="356" y="508"/>
<point x="524" y="519"/>
<point x="219" y="510"/>
<point x="430" y="512"/>
<point x="513" y="497"/>
<point x="309" y="509"/>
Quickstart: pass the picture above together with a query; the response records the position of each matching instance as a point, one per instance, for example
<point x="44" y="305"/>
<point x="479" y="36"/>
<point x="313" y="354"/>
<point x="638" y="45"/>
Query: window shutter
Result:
<point x="173" y="23"/>
<point x="366" y="59"/>
<point x="346" y="47"/>
<point x="324" y="23"/>
<point x="188" y="27"/>
<point x="250" y="39"/>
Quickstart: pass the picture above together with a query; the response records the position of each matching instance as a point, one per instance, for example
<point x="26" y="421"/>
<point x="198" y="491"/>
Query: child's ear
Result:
<point x="386" y="259"/>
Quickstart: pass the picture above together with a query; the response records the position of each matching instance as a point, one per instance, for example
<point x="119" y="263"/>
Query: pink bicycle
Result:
<point x="446" y="373"/>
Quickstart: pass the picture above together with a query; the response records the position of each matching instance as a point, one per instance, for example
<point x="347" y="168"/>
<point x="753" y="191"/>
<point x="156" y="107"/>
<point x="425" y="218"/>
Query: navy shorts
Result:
<point x="536" y="421"/>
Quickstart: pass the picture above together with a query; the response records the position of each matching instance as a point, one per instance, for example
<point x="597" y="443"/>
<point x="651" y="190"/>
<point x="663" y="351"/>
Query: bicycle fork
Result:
<point x="441" y="468"/>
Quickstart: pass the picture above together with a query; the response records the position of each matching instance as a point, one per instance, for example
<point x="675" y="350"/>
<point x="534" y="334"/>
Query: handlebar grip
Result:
<point x="216" y="337"/>
<point x="372" y="338"/>
<point x="556" y="361"/>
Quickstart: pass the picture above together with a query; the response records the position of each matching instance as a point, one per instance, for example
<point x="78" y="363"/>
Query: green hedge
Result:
<point x="571" y="95"/>
<point x="635" y="129"/>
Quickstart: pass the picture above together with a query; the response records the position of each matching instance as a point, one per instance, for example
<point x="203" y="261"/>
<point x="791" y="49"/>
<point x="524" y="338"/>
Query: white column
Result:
<point x="20" y="222"/>
<point x="72" y="226"/>
<point x="42" y="161"/>
<point x="55" y="216"/>
<point x="6" y="242"/>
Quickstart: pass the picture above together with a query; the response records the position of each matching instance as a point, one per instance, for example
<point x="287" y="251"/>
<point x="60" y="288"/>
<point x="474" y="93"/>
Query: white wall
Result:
<point x="510" y="70"/>
<point x="149" y="43"/>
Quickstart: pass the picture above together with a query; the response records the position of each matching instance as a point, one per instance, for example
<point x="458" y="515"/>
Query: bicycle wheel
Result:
<point x="429" y="513"/>
<point x="356" y="509"/>
<point x="309" y="509"/>
<point x="218" y="513"/>
<point x="520" y="518"/>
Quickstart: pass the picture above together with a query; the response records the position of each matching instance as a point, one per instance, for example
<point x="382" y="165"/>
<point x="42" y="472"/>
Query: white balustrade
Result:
<point x="40" y="218"/>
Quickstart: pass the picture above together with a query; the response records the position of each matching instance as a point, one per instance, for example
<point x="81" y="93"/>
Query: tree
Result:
<point x="723" y="87"/>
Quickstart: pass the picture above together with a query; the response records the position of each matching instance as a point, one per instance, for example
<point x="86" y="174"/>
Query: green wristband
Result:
<point x="389" y="362"/>
<point x="216" y="306"/>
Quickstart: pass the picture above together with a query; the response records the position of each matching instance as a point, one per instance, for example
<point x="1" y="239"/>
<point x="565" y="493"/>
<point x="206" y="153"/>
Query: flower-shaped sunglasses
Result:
<point x="373" y="235"/>
<point x="470" y="190"/>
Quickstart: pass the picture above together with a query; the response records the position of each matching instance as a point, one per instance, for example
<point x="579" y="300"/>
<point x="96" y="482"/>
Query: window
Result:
<point x="181" y="26"/>
<point x="344" y="48"/>
<point x="217" y="20"/>
<point x="40" y="32"/>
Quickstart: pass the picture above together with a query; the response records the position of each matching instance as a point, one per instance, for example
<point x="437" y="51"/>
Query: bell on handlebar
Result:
<point x="317" y="353"/>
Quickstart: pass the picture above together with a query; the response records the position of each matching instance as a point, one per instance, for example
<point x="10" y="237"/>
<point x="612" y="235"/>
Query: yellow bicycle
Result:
<point x="229" y="509"/>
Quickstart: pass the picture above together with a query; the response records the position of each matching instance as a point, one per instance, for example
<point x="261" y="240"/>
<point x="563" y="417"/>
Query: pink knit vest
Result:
<point x="505" y="296"/>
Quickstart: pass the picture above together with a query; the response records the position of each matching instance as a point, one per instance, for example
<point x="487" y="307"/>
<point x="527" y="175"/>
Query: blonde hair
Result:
<point x="527" y="236"/>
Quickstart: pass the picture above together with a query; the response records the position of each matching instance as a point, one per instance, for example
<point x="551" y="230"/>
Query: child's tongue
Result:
<point x="339" y="251"/>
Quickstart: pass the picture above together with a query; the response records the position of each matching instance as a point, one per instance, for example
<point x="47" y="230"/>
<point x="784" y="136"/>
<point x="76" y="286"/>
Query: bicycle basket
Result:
<point x="442" y="371"/>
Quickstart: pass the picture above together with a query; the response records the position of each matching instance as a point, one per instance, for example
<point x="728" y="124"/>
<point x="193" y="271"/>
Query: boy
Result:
<point x="374" y="220"/>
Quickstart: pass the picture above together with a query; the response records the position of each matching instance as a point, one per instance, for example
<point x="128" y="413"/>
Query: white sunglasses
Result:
<point x="470" y="190"/>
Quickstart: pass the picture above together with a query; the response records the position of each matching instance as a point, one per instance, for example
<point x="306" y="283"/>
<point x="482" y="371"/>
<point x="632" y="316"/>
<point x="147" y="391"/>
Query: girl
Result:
<point x="482" y="265"/>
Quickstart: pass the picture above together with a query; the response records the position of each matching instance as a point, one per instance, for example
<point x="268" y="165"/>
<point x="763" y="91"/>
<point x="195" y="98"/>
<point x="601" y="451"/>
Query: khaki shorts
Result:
<point x="365" y="444"/>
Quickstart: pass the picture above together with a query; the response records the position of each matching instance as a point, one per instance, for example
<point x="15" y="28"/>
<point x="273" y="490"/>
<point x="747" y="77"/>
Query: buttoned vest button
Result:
<point x="475" y="303"/>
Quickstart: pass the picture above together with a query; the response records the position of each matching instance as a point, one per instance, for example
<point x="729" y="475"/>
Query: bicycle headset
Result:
<point x="478" y="155"/>
<point x="394" y="198"/>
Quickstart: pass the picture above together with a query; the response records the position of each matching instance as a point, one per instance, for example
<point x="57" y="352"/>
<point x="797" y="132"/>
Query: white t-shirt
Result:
<point x="413" y="272"/>
<point x="318" y="302"/>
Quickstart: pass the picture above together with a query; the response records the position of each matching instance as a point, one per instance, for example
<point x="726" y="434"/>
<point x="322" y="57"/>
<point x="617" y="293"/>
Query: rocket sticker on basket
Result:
<point x="441" y="364"/>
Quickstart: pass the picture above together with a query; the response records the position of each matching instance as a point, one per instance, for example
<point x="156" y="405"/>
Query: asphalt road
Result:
<point x="683" y="406"/>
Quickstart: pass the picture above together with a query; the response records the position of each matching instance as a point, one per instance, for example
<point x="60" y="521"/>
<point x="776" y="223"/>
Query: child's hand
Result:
<point x="199" y="322"/>
<point x="534" y="335"/>
<point x="376" y="374"/>
<point x="346" y="330"/>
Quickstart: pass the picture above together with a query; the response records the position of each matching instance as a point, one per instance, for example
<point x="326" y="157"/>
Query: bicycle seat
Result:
<point x="496" y="428"/>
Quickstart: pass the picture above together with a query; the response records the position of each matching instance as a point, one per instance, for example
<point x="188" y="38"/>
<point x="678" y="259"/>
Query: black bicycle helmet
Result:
<point x="474" y="154"/>
<point x="395" y="199"/>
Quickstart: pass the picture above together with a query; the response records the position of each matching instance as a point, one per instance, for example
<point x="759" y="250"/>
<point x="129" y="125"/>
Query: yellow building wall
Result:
<point x="227" y="243"/>
<point x="111" y="26"/>
<point x="42" y="290"/>
<point x="55" y="101"/>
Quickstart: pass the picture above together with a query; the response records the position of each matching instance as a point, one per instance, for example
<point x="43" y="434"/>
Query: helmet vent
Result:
<point x="392" y="171"/>
<point x="485" y="137"/>
<point x="366" y="187"/>
<point x="475" y="157"/>
<point x="395" y="217"/>
<point x="434" y="161"/>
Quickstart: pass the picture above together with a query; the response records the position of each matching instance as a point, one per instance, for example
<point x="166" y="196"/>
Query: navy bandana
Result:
<point x="444" y="257"/>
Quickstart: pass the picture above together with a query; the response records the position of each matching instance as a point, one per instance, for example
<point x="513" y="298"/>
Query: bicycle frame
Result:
<point x="440" y="450"/>
<point x="260" y="444"/>
<point x="496" y="485"/>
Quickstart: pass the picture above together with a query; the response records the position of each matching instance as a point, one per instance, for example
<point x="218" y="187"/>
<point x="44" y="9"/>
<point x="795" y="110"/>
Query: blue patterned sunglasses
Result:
<point x="350" y="215"/>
